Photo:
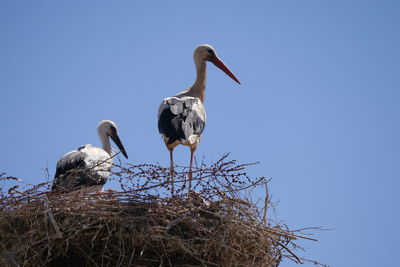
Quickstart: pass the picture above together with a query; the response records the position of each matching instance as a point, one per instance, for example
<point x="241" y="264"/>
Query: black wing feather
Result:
<point x="178" y="120"/>
<point x="73" y="172"/>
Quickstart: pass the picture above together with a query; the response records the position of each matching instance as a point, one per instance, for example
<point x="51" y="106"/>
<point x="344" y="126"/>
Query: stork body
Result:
<point x="182" y="118"/>
<point x="88" y="167"/>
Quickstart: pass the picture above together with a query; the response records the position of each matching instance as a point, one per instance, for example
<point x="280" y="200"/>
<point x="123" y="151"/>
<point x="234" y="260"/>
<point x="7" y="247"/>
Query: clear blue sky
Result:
<point x="319" y="103"/>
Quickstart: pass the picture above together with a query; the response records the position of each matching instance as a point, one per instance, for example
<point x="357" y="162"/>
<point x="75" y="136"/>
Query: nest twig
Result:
<point x="144" y="224"/>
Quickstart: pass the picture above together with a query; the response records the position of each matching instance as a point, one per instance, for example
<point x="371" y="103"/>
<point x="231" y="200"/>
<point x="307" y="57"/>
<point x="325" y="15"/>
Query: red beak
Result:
<point x="221" y="65"/>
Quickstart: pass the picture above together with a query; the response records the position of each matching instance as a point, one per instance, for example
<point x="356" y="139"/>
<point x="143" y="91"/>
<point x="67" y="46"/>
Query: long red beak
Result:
<point x="221" y="65"/>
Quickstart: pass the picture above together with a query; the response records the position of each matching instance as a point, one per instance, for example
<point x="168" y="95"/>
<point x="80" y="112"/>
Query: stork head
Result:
<point x="109" y="129"/>
<point x="207" y="52"/>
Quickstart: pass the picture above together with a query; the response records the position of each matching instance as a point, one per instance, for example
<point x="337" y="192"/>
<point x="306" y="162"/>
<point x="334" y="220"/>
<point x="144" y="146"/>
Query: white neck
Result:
<point x="197" y="89"/>
<point x="105" y="141"/>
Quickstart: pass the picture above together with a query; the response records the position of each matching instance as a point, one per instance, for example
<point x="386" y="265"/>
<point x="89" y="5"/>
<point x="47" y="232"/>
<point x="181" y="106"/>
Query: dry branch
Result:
<point x="144" y="224"/>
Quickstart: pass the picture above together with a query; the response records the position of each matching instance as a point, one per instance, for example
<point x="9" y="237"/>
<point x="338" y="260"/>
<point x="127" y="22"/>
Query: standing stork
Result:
<point x="181" y="118"/>
<point x="88" y="167"/>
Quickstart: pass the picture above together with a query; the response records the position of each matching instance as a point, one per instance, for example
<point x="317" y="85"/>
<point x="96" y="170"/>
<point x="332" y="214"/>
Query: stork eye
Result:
<point x="113" y="129"/>
<point x="211" y="52"/>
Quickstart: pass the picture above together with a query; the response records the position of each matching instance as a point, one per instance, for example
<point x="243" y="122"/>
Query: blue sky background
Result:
<point x="319" y="103"/>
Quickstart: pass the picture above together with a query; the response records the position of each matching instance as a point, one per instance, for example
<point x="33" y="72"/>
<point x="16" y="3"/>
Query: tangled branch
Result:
<point x="146" y="224"/>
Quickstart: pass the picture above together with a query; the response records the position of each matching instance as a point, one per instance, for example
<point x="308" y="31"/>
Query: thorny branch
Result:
<point x="146" y="223"/>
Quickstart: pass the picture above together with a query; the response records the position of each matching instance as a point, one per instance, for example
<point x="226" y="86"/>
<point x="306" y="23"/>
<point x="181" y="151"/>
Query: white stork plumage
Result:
<point x="181" y="118"/>
<point x="88" y="167"/>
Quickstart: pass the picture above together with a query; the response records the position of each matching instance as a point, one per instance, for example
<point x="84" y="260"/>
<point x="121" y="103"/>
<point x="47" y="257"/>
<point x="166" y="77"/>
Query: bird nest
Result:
<point x="149" y="222"/>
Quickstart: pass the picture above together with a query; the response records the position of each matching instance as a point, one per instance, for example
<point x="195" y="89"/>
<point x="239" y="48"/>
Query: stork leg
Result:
<point x="172" y="170"/>
<point x="192" y="150"/>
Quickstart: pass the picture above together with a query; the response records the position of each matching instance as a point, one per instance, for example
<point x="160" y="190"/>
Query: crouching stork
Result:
<point x="88" y="167"/>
